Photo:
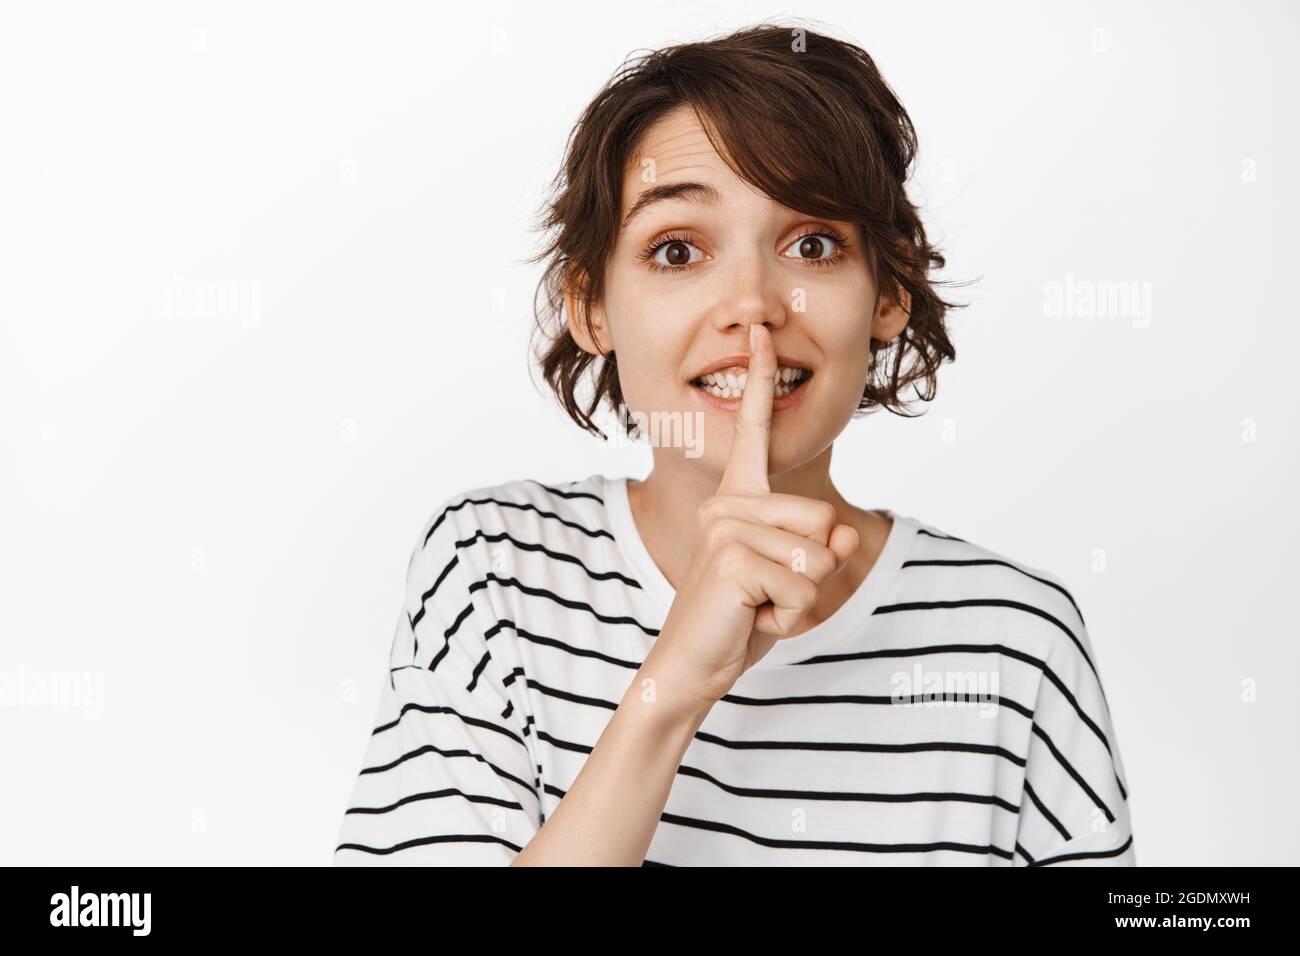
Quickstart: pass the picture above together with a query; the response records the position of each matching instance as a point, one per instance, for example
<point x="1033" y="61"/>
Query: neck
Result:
<point x="664" y="506"/>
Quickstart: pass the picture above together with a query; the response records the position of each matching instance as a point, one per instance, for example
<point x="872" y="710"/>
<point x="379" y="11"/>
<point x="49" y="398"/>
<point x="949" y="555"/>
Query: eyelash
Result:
<point x="648" y="254"/>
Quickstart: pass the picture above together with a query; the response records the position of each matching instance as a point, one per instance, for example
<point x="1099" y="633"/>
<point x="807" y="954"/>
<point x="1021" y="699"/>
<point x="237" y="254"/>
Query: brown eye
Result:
<point x="815" y="247"/>
<point x="671" y="254"/>
<point x="811" y="248"/>
<point x="678" y="253"/>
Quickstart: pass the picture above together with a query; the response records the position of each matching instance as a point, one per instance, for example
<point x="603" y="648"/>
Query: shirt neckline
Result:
<point x="850" y="619"/>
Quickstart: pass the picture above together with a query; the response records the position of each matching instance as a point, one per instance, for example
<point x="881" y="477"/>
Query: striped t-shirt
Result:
<point x="949" y="712"/>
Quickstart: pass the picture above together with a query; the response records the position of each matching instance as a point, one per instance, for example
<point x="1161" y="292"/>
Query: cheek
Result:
<point x="849" y="309"/>
<point x="842" y="332"/>
<point x="843" y="340"/>
<point x="647" y="362"/>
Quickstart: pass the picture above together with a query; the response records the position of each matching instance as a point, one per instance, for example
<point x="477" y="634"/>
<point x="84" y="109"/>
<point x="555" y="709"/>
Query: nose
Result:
<point x="750" y="295"/>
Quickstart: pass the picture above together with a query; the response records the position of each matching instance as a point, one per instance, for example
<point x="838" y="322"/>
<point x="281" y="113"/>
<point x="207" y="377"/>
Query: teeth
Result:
<point x="731" y="385"/>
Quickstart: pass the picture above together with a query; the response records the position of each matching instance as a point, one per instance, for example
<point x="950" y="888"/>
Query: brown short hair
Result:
<point x="805" y="118"/>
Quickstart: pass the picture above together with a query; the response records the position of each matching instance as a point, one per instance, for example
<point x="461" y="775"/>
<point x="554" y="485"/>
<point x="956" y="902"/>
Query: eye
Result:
<point x="670" y="253"/>
<point x="821" y="247"/>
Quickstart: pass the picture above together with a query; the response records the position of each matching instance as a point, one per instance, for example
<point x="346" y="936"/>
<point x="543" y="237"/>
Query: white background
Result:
<point x="208" y="505"/>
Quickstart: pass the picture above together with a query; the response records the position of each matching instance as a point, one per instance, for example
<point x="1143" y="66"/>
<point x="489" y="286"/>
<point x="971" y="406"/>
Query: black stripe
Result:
<point x="1060" y="757"/>
<point x="881" y="699"/>
<point x="968" y="562"/>
<point x="552" y="642"/>
<point x="924" y="746"/>
<point x="943" y="537"/>
<point x="834" y="844"/>
<point x="437" y="794"/>
<point x="432" y="591"/>
<point x="556" y="555"/>
<point x="522" y="506"/>
<point x="562" y="601"/>
<point x="448" y="634"/>
<point x="440" y="709"/>
<point x="1047" y="814"/>
<point x="425" y="841"/>
<point x="424" y="598"/>
<point x="1087" y="854"/>
<point x="849" y="795"/>
<point x="816" y="745"/>
<point x="1025" y="853"/>
<point x="478" y="669"/>
<point x="569" y="494"/>
<point x="570" y="696"/>
<point x="431" y="749"/>
<point x="929" y="649"/>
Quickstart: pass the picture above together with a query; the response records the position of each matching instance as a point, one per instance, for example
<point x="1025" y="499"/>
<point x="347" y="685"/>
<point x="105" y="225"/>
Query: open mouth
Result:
<point x="729" y="384"/>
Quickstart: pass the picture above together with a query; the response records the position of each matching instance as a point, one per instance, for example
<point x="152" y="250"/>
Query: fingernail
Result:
<point x="753" y="333"/>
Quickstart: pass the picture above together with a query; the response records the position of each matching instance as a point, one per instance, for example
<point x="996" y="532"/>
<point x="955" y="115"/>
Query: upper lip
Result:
<point x="742" y="361"/>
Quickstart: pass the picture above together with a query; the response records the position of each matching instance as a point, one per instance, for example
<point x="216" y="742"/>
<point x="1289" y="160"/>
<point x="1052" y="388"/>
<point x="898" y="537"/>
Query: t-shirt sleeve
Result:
<point x="1074" y="807"/>
<point x="448" y="777"/>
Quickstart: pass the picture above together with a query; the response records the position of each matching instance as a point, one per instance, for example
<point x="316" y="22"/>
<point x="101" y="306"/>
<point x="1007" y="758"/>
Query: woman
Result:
<point x="728" y="663"/>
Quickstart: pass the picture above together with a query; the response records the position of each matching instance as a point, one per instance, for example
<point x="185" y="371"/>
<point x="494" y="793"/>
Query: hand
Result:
<point x="742" y="593"/>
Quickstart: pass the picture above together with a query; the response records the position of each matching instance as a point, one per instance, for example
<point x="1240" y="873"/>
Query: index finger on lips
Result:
<point x="746" y="472"/>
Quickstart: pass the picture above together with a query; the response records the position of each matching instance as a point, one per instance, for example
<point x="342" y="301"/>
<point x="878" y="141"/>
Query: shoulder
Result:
<point x="941" y="565"/>
<point x="461" y="539"/>
<point x="523" y="506"/>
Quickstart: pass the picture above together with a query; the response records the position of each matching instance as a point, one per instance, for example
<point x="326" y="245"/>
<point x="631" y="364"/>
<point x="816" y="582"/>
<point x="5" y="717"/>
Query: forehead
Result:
<point x="677" y="149"/>
<point x="675" y="143"/>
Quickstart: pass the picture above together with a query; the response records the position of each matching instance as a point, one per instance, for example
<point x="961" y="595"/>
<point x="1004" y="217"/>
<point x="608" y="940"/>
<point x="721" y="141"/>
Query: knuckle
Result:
<point x="823" y="516"/>
<point x="807" y="593"/>
<point x="708" y="511"/>
<point x="719" y="532"/>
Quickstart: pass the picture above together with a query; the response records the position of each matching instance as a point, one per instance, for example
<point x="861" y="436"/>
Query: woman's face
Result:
<point x="695" y="265"/>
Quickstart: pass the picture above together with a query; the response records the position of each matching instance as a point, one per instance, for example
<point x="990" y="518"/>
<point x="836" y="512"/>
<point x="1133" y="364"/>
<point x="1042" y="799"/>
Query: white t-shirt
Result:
<point x="950" y="712"/>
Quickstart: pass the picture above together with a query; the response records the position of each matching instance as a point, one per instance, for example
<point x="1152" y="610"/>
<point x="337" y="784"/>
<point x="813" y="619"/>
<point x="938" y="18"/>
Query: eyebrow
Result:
<point x="689" y="192"/>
